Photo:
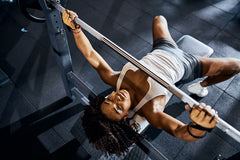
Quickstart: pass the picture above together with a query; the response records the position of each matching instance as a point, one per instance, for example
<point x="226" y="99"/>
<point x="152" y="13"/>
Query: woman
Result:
<point x="106" y="120"/>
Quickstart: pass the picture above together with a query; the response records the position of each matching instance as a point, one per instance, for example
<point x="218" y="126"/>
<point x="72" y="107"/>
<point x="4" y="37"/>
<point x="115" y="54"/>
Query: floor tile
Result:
<point x="163" y="141"/>
<point x="231" y="6"/>
<point x="143" y="52"/>
<point x="119" y="11"/>
<point x="13" y="107"/>
<point x="142" y="27"/>
<point x="233" y="27"/>
<point x="164" y="8"/>
<point x="97" y="20"/>
<point x="176" y="35"/>
<point x="208" y="147"/>
<point x="214" y="16"/>
<point x="146" y="5"/>
<point x="233" y="88"/>
<point x="43" y="89"/>
<point x="214" y="94"/>
<point x="225" y="45"/>
<point x="164" y="144"/>
<point x="196" y="27"/>
<point x="228" y="110"/>
<point x="51" y="140"/>
<point x="128" y="41"/>
<point x="64" y="129"/>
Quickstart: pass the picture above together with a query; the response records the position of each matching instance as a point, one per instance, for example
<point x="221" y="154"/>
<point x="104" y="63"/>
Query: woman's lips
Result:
<point x="123" y="93"/>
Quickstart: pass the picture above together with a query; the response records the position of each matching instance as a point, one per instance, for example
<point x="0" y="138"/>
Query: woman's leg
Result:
<point x="218" y="69"/>
<point x="160" y="29"/>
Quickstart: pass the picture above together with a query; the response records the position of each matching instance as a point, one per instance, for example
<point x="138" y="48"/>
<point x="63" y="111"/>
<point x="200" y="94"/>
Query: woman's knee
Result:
<point x="159" y="20"/>
<point x="235" y="65"/>
<point x="160" y="28"/>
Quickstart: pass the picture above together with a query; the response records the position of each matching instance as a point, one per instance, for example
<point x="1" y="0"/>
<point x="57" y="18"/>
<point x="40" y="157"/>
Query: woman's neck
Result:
<point x="136" y="84"/>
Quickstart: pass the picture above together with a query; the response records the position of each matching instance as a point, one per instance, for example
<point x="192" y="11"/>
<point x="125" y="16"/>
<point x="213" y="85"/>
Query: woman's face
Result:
<point x="115" y="107"/>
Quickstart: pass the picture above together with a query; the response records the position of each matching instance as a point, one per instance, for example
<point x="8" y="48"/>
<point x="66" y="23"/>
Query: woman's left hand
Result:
<point x="203" y="115"/>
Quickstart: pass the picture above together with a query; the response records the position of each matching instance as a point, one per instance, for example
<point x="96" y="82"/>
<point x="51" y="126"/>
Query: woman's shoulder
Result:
<point x="156" y="104"/>
<point x="113" y="78"/>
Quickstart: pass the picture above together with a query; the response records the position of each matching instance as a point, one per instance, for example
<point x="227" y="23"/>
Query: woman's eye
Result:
<point x="109" y="99"/>
<point x="120" y="108"/>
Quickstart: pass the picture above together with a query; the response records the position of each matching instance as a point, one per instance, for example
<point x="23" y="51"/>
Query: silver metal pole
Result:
<point x="224" y="126"/>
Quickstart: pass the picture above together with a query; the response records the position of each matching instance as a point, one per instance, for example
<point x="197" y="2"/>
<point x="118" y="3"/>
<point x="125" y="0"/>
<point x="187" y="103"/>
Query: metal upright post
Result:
<point x="59" y="43"/>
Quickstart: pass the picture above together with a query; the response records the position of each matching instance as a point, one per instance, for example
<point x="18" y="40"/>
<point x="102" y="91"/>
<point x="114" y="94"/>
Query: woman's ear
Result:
<point x="125" y="118"/>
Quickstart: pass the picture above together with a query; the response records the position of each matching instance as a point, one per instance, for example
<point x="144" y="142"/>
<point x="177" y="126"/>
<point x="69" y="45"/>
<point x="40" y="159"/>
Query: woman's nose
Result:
<point x="117" y="98"/>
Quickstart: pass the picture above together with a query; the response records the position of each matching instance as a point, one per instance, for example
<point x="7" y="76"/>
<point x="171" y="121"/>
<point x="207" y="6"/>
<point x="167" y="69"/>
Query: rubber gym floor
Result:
<point x="34" y="124"/>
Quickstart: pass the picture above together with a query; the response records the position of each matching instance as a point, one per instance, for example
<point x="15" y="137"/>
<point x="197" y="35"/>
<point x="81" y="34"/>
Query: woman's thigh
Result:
<point x="220" y="66"/>
<point x="160" y="29"/>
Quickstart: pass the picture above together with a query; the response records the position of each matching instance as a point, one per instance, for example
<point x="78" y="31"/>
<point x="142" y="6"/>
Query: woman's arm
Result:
<point x="161" y="120"/>
<point x="106" y="73"/>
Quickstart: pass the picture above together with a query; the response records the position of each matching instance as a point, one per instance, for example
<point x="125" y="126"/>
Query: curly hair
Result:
<point x="112" y="137"/>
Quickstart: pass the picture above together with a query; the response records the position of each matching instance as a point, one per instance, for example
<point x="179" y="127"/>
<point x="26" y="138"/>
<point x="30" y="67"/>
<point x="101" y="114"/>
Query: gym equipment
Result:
<point x="224" y="126"/>
<point x="73" y="85"/>
<point x="57" y="35"/>
<point x="25" y="5"/>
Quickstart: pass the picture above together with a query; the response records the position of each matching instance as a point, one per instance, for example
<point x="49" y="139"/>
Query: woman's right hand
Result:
<point x="68" y="17"/>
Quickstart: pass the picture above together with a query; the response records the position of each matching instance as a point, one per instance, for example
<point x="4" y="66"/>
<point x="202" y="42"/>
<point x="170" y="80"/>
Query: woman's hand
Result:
<point x="203" y="115"/>
<point x="68" y="17"/>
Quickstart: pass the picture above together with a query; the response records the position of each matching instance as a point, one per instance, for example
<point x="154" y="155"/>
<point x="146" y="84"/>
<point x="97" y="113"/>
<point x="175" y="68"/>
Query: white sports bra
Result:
<point x="161" y="63"/>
